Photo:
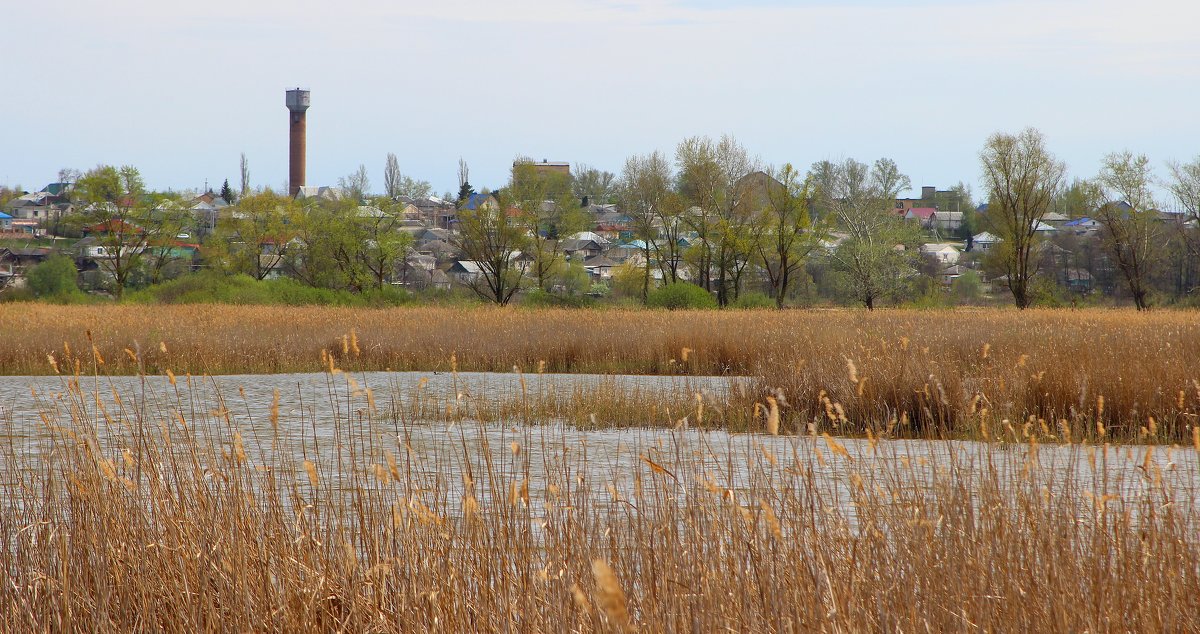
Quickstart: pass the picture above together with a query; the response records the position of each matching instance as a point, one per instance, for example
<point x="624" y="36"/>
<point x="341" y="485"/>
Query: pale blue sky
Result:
<point x="180" y="89"/>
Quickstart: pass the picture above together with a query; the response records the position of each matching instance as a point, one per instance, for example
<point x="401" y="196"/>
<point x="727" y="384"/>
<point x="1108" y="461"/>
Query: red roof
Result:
<point x="924" y="213"/>
<point x="115" y="226"/>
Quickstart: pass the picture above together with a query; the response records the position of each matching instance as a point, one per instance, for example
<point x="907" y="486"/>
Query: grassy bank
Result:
<point x="164" y="512"/>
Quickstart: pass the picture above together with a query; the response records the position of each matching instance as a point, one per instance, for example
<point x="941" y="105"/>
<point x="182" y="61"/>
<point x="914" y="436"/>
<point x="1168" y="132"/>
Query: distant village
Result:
<point x="709" y="217"/>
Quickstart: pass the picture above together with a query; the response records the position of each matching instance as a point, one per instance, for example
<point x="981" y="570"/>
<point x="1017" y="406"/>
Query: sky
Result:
<point x="181" y="89"/>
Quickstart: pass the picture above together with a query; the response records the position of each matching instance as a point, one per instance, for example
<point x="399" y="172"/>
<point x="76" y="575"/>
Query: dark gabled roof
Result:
<point x="465" y="266"/>
<point x="56" y="189"/>
<point x="578" y="245"/>
<point x="598" y="261"/>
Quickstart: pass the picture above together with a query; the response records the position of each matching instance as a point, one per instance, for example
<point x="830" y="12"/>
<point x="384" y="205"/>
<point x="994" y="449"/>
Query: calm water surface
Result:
<point x="317" y="410"/>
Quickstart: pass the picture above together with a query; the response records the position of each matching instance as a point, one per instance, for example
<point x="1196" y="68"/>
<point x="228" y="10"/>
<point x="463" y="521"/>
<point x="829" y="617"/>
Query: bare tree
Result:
<point x="464" y="181"/>
<point x="646" y="197"/>
<point x="1131" y="230"/>
<point x="356" y="186"/>
<point x="245" y="170"/>
<point x="710" y="178"/>
<point x="1185" y="186"/>
<point x="1022" y="178"/>
<point x="491" y="242"/>
<point x="595" y="185"/>
<point x="391" y="176"/>
<point x="69" y="176"/>
<point x="878" y="250"/>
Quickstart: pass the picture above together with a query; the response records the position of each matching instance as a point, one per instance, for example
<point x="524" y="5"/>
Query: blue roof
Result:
<point x="475" y="200"/>
<point x="1077" y="222"/>
<point x="4" y="216"/>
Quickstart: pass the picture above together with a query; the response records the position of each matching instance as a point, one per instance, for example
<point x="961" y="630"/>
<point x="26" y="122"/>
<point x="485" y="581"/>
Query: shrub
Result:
<point x="54" y="279"/>
<point x="753" y="299"/>
<point x="213" y="287"/>
<point x="680" y="296"/>
<point x="967" y="287"/>
<point x="628" y="280"/>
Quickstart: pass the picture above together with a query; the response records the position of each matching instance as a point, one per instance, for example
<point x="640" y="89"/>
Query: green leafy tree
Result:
<point x="344" y="245"/>
<point x="1075" y="200"/>
<point x="114" y="210"/>
<point x="963" y="201"/>
<point x="542" y="204"/>
<point x="784" y="235"/>
<point x="967" y="288"/>
<point x="163" y="254"/>
<point x="382" y="245"/>
<point x="255" y="237"/>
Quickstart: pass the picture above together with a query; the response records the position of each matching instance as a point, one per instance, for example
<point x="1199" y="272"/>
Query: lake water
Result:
<point x="329" y="419"/>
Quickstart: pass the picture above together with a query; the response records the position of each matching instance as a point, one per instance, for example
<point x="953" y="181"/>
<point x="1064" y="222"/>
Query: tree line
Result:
<point x="709" y="214"/>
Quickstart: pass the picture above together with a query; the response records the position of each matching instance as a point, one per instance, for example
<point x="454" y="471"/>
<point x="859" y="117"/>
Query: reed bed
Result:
<point x="165" y="510"/>
<point x="1096" y="373"/>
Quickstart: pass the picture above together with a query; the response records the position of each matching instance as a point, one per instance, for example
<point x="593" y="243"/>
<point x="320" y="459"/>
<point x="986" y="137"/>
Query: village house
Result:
<point x="466" y="272"/>
<point x="923" y="215"/>
<point x="583" y="248"/>
<point x="984" y="241"/>
<point x="944" y="253"/>
<point x="1055" y="219"/>
<point x="35" y="211"/>
<point x="599" y="268"/>
<point x="951" y="273"/>
<point x="1081" y="226"/>
<point x="947" y="221"/>
<point x="940" y="199"/>
<point x="16" y="261"/>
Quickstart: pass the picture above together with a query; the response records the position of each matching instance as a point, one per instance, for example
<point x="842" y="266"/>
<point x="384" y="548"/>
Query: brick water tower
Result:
<point x="297" y="104"/>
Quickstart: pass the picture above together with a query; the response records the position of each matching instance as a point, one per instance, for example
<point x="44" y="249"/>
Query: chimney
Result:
<point x="297" y="105"/>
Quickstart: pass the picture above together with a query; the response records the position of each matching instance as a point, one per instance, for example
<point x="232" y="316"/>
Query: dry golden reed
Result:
<point x="609" y="595"/>
<point x="923" y="370"/>
<point x="118" y="517"/>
